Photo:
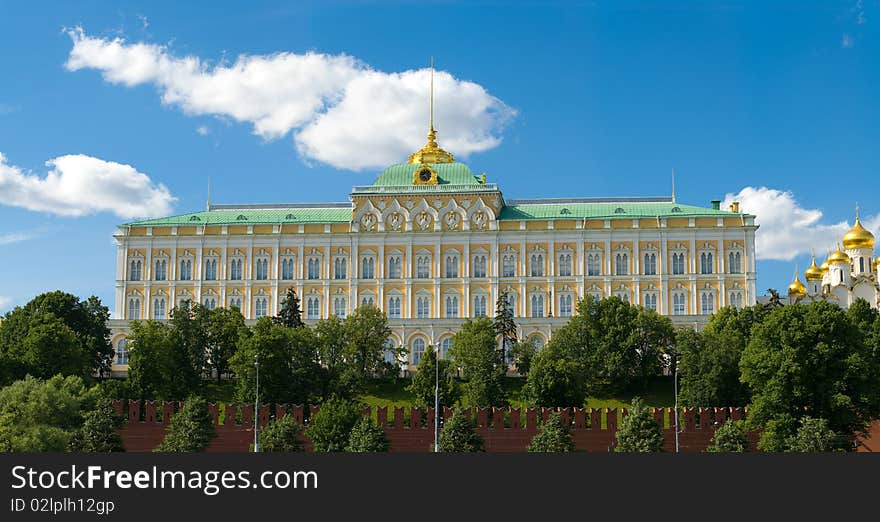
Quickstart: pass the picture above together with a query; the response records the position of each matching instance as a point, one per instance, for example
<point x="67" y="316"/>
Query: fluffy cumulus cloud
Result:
<point x="339" y="110"/>
<point x="78" y="185"/>
<point x="787" y="229"/>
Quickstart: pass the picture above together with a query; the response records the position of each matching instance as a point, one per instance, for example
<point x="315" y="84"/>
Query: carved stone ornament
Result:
<point x="423" y="220"/>
<point x="452" y="220"/>
<point x="395" y="221"/>
<point x="437" y="203"/>
<point x="409" y="204"/>
<point x="368" y="222"/>
<point x="466" y="203"/>
<point x="479" y="220"/>
<point x="381" y="204"/>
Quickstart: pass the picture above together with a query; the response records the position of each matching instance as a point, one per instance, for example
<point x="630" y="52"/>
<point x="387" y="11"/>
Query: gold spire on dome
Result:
<point x="813" y="273"/>
<point x="431" y="152"/>
<point x="838" y="256"/>
<point x="858" y="236"/>
<point x="796" y="287"/>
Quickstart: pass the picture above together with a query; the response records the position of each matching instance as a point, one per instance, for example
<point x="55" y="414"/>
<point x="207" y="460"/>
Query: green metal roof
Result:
<point x="248" y="216"/>
<point x="605" y="210"/>
<point x="447" y="174"/>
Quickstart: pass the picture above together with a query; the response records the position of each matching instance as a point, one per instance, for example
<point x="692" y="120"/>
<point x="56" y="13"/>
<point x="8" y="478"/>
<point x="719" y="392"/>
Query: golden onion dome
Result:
<point x="858" y="237"/>
<point x="838" y="256"/>
<point x="814" y="273"/>
<point x="796" y="287"/>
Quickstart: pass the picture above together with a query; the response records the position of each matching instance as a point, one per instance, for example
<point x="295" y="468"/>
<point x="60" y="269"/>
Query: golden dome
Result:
<point x="814" y="273"/>
<point x="431" y="152"/>
<point x="838" y="256"/>
<point x="858" y="237"/>
<point x="796" y="287"/>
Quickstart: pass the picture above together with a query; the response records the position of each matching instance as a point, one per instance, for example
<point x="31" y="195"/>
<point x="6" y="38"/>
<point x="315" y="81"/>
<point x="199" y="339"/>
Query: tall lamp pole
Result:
<point x="257" y="406"/>
<point x="675" y="386"/>
<point x="436" y="400"/>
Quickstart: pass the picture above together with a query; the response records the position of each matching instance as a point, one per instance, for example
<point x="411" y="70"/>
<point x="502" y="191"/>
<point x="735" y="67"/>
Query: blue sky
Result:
<point x="775" y="104"/>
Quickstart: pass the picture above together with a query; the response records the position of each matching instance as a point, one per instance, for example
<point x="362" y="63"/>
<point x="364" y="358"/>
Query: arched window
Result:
<point x="707" y="303"/>
<point x="418" y="349"/>
<point x="479" y="265"/>
<point x="734" y="263"/>
<point x="621" y="265"/>
<point x="537" y="265"/>
<point x="339" y="307"/>
<point x="186" y="270"/>
<point x="340" y="268"/>
<point x="388" y="354"/>
<point x="394" y="307"/>
<point x="564" y="265"/>
<point x="367" y="301"/>
<point x="537" y="305"/>
<point x="677" y="263"/>
<point x="651" y="301"/>
<point x="121" y="352"/>
<point x="161" y="272"/>
<point x="159" y="308"/>
<point x="313" y="308"/>
<point x="594" y="263"/>
<point x="445" y="346"/>
<point x="134" y="308"/>
<point x="650" y="264"/>
<point x="508" y="265"/>
<point x="479" y="306"/>
<point x="537" y="341"/>
<point x="423" y="267"/>
<point x="861" y="264"/>
<point x="235" y="270"/>
<point x="706" y="263"/>
<point x="210" y="302"/>
<point x="423" y="307"/>
<point x="452" y="306"/>
<point x="565" y="301"/>
<point x="736" y="299"/>
<point x="451" y="266"/>
<point x="679" y="303"/>
<point x="235" y="302"/>
<point x="261" y="307"/>
<point x="134" y="270"/>
<point x="368" y="267"/>
<point x="394" y="265"/>
<point x="314" y="268"/>
<point x="511" y="303"/>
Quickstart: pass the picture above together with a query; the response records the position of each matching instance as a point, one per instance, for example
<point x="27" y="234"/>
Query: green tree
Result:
<point x="330" y="428"/>
<point x="639" y="432"/>
<point x="459" y="435"/>
<point x="505" y="326"/>
<point x="553" y="436"/>
<point x="290" y="314"/>
<point x="422" y="384"/>
<point x="51" y="348"/>
<point x="473" y="350"/>
<point x="223" y="329"/>
<point x="810" y="360"/>
<point x="709" y="360"/>
<point x="158" y="367"/>
<point x="366" y="331"/>
<point x="559" y="376"/>
<point x="338" y="378"/>
<point x="281" y="435"/>
<point x="87" y="320"/>
<point x="289" y="369"/>
<point x="190" y="430"/>
<point x="366" y="437"/>
<point x="814" y="436"/>
<point x="98" y="431"/>
<point x="651" y="336"/>
<point x="189" y="322"/>
<point x="39" y="415"/>
<point x="732" y="436"/>
<point x="523" y="354"/>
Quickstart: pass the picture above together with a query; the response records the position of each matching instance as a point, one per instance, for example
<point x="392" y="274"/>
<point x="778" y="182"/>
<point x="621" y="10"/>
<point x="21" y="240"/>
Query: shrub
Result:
<point x="732" y="436"/>
<point x="459" y="435"/>
<point x="639" y="432"/>
<point x="330" y="428"/>
<point x="366" y="437"/>
<point x="553" y="437"/>
<point x="191" y="428"/>
<point x="281" y="435"/>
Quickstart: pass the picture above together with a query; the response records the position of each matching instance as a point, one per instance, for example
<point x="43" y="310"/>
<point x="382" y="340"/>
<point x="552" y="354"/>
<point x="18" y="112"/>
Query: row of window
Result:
<point x="423" y="266"/>
<point x="451" y="308"/>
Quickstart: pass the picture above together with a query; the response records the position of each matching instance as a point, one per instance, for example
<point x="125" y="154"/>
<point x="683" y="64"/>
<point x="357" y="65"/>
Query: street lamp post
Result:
<point x="257" y="407"/>
<point x="436" y="402"/>
<point x="675" y="387"/>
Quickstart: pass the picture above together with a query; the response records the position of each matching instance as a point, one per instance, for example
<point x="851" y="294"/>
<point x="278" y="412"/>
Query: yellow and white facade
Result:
<point x="431" y="243"/>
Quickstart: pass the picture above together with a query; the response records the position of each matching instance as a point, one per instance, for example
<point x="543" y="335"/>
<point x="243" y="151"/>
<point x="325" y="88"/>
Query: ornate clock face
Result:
<point x="425" y="175"/>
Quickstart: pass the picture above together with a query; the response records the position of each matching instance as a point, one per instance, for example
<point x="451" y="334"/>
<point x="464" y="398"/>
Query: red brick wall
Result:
<point x="412" y="429"/>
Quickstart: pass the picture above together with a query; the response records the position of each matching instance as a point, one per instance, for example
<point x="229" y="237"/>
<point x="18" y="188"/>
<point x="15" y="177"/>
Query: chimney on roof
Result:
<point x="716" y="204"/>
<point x="734" y="207"/>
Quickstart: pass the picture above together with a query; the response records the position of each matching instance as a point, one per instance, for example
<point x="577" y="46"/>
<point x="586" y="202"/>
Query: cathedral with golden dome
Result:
<point x="845" y="275"/>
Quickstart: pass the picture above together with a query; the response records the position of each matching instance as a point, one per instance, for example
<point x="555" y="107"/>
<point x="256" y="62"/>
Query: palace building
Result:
<point x="845" y="275"/>
<point x="432" y="243"/>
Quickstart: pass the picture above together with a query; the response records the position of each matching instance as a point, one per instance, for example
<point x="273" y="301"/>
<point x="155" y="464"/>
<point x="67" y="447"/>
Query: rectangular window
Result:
<point x="508" y="265"/>
<point x="537" y="306"/>
<point x="423" y="307"/>
<point x="565" y="306"/>
<point x="480" y="306"/>
<point x="650" y="264"/>
<point x="287" y="268"/>
<point x="452" y="307"/>
<point x="423" y="267"/>
<point x="451" y="266"/>
<point x="394" y="307"/>
<point x="480" y="266"/>
<point x="594" y="265"/>
<point x="313" y="308"/>
<point x="565" y="265"/>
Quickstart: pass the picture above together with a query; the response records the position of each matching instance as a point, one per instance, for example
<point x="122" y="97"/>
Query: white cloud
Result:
<point x="78" y="185"/>
<point x="7" y="239"/>
<point x="787" y="229"/>
<point x="340" y="111"/>
<point x="5" y="303"/>
<point x="203" y="130"/>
